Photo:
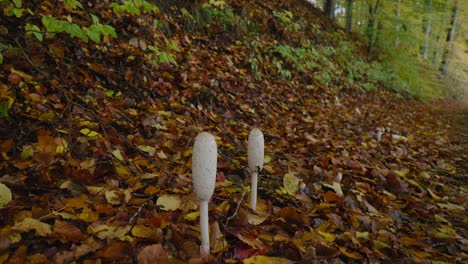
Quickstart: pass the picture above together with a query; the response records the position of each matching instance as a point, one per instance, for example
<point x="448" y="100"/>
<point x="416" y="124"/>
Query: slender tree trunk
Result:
<point x="349" y="15"/>
<point x="450" y="35"/>
<point x="329" y="7"/>
<point x="371" y="25"/>
<point x="398" y="14"/>
<point x="427" y="30"/>
<point x="437" y="44"/>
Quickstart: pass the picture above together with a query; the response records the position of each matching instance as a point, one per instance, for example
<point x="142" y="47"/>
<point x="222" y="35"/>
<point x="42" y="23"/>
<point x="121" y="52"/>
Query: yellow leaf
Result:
<point x="434" y="196"/>
<point x="113" y="197"/>
<point x="291" y="183"/>
<point x="451" y="207"/>
<point x="327" y="236"/>
<point x="353" y="255"/>
<point x="161" y="155"/>
<point x="364" y="236"/>
<point x="336" y="187"/>
<point x="122" y="171"/>
<point x="267" y="159"/>
<point x="28" y="224"/>
<point x="169" y="202"/>
<point x="255" y="219"/>
<point x="116" y="153"/>
<point x="5" y="195"/>
<point x="402" y="172"/>
<point x="147" y="149"/>
<point x="94" y="189"/>
<point x="89" y="133"/>
<point x="267" y="260"/>
<point x="144" y="232"/>
<point x="420" y="254"/>
<point x="192" y="216"/>
<point x="110" y="232"/>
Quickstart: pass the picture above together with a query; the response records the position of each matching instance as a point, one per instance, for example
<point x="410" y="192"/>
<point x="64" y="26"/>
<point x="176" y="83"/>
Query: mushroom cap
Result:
<point x="204" y="160"/>
<point x="256" y="150"/>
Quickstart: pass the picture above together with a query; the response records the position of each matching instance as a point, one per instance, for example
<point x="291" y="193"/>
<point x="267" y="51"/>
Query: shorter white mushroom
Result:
<point x="255" y="156"/>
<point x="204" y="159"/>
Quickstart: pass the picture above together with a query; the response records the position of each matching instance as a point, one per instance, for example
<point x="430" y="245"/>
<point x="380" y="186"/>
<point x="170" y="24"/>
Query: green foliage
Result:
<point x="72" y="4"/>
<point x="160" y="57"/>
<point x="300" y="58"/>
<point x="13" y="8"/>
<point x="4" y="48"/>
<point x="94" y="32"/>
<point x="215" y="16"/>
<point x="286" y="19"/>
<point x="134" y="7"/>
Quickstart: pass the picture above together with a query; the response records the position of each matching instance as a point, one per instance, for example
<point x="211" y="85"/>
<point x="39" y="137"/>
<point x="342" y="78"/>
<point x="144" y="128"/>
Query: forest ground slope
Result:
<point x="96" y="138"/>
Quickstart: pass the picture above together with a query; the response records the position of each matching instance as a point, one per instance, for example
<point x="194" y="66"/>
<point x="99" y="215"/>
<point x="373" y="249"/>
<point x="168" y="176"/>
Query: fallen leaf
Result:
<point x="266" y="260"/>
<point x="113" y="197"/>
<point x="150" y="254"/>
<point x="28" y="224"/>
<point x="291" y="183"/>
<point x="5" y="195"/>
<point x="169" y="202"/>
<point x="146" y="232"/>
<point x="67" y="230"/>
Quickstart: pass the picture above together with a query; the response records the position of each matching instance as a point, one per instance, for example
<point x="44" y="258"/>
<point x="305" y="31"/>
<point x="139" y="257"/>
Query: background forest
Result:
<point x="415" y="39"/>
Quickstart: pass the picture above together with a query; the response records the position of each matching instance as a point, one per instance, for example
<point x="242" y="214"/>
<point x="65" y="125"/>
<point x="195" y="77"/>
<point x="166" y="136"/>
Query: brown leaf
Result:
<point x="292" y="215"/>
<point x="115" y="252"/>
<point x="67" y="230"/>
<point x="150" y="254"/>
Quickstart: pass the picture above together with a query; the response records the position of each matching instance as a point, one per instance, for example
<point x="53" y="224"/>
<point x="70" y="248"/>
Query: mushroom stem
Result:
<point x="253" y="191"/>
<point x="205" y="236"/>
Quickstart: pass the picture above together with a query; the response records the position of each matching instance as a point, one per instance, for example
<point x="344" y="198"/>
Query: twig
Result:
<point x="237" y="208"/>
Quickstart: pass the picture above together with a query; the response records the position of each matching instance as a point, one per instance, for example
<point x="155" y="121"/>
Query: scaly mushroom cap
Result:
<point x="204" y="159"/>
<point x="256" y="150"/>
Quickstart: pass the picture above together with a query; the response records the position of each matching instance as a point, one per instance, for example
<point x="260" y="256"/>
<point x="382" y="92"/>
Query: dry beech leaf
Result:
<point x="68" y="231"/>
<point x="266" y="260"/>
<point x="146" y="232"/>
<point x="169" y="202"/>
<point x="28" y="224"/>
<point x="150" y="254"/>
<point x="113" y="197"/>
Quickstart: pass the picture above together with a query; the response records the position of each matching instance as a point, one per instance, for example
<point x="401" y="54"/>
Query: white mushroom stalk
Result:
<point x="255" y="156"/>
<point x="204" y="159"/>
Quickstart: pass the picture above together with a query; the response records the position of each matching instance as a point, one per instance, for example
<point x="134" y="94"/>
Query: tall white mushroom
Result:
<point x="255" y="156"/>
<point x="204" y="159"/>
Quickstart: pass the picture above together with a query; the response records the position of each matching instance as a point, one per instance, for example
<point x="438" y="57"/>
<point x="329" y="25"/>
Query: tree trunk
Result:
<point x="329" y="8"/>
<point x="371" y="25"/>
<point x="349" y="15"/>
<point x="450" y="35"/>
<point x="398" y="14"/>
<point x="427" y="30"/>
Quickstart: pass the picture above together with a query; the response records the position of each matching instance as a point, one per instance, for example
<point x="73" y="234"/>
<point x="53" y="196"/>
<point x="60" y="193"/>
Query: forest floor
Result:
<point x="96" y="149"/>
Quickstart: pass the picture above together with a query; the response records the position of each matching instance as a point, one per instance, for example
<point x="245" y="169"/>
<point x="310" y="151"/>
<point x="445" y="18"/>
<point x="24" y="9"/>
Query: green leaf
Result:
<point x="108" y="30"/>
<point x="5" y="195"/>
<point x="94" y="33"/>
<point x="35" y="30"/>
<point x="1" y="58"/>
<point x="18" y="3"/>
<point x="72" y="4"/>
<point x="3" y="109"/>
<point x="76" y="31"/>
<point x="95" y="19"/>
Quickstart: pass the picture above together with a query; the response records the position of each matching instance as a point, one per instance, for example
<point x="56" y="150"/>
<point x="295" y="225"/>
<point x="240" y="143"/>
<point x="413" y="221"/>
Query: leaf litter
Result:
<point x="96" y="155"/>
